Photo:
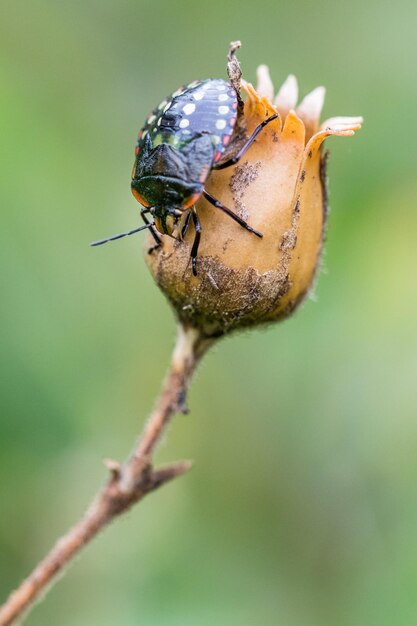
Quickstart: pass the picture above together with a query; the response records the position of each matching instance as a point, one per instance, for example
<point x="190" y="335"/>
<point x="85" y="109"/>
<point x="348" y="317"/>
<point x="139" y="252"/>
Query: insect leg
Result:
<point x="246" y="145"/>
<point x="152" y="231"/>
<point x="230" y="213"/>
<point x="186" y="225"/>
<point x="194" y="249"/>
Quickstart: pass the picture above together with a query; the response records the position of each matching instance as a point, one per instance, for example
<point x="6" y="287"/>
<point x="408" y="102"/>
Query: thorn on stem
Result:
<point x="164" y="474"/>
<point x="114" y="468"/>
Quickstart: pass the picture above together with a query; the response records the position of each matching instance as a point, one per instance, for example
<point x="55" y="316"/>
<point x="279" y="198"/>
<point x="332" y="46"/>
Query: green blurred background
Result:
<point x="301" y="509"/>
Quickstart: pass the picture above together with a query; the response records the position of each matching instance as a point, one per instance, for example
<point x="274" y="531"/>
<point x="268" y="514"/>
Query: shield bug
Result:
<point x="181" y="142"/>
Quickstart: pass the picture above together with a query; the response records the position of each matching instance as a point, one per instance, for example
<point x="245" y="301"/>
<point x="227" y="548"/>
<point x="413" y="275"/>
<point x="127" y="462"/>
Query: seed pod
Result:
<point x="279" y="188"/>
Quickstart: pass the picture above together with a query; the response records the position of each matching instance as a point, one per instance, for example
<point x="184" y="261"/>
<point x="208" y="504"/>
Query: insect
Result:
<point x="182" y="141"/>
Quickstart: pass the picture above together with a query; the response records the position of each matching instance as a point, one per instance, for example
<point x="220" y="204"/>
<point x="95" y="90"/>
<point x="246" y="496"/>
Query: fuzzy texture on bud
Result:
<point x="279" y="188"/>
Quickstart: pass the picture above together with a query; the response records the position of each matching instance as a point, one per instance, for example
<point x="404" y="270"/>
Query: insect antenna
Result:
<point x="114" y="237"/>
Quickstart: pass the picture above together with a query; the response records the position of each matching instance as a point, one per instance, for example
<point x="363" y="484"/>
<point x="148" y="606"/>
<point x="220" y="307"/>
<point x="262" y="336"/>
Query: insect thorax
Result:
<point x="167" y="177"/>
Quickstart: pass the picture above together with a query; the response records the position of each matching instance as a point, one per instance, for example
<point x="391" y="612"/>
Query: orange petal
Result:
<point x="257" y="108"/>
<point x="346" y="129"/>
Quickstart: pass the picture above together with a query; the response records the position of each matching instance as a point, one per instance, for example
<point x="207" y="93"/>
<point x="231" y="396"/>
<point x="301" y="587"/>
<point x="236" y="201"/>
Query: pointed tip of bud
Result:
<point x="264" y="85"/>
<point x="311" y="106"/>
<point x="287" y="96"/>
<point x="234" y="45"/>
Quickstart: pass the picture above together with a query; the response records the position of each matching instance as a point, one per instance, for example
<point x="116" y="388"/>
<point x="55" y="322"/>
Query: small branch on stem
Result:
<point x="127" y="484"/>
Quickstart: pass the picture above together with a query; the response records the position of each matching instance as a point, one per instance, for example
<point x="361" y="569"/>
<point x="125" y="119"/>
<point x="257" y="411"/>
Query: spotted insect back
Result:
<point x="202" y="107"/>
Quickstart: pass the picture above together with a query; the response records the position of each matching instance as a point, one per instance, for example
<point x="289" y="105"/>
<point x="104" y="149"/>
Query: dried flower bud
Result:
<point x="279" y="188"/>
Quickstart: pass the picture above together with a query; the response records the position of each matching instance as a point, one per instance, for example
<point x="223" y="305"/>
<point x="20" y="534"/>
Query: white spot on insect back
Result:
<point x="220" y="87"/>
<point x="166" y="107"/>
<point x="223" y="109"/>
<point x="189" y="108"/>
<point x="184" y="123"/>
<point x="163" y="103"/>
<point x="220" y="124"/>
<point x="151" y="119"/>
<point x="198" y="95"/>
<point x="223" y="97"/>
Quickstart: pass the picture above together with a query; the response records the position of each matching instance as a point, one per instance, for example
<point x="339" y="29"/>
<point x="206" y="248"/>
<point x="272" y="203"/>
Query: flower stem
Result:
<point x="127" y="484"/>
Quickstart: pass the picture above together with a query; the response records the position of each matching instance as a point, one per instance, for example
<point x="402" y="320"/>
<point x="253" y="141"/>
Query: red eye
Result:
<point x="140" y="199"/>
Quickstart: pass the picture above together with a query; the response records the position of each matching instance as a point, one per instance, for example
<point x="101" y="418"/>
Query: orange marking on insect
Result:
<point x="140" y="199"/>
<point x="188" y="202"/>
<point x="217" y="156"/>
<point x="226" y="139"/>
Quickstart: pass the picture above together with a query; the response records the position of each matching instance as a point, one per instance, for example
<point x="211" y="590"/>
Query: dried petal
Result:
<point x="287" y="96"/>
<point x="264" y="86"/>
<point x="310" y="109"/>
<point x="339" y="122"/>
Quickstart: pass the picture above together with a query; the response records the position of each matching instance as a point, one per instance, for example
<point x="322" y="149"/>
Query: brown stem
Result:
<point x="128" y="483"/>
